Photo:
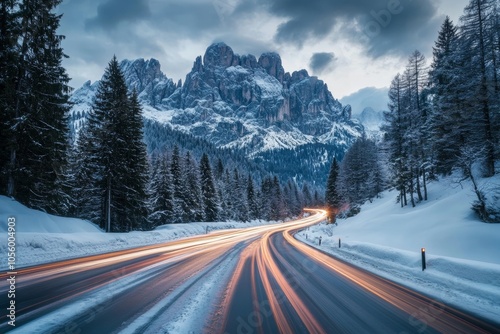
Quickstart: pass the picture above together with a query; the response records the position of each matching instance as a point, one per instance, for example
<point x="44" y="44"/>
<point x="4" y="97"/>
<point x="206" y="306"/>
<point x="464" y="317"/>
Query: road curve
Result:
<point x="284" y="286"/>
<point x="265" y="281"/>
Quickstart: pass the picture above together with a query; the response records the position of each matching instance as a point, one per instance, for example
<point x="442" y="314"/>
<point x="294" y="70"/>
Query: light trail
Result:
<point x="271" y="268"/>
<point x="39" y="293"/>
<point x="270" y="291"/>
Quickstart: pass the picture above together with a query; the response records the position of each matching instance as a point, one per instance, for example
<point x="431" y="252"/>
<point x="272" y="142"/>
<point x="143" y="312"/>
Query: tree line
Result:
<point x="117" y="186"/>
<point x="34" y="93"/>
<point x="184" y="190"/>
<point x="443" y="117"/>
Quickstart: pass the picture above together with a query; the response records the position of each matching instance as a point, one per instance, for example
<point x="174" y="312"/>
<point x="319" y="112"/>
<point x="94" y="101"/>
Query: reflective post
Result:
<point x="423" y="259"/>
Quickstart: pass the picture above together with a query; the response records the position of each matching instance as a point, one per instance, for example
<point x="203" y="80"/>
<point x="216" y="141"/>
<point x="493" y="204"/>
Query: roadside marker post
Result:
<point x="423" y="259"/>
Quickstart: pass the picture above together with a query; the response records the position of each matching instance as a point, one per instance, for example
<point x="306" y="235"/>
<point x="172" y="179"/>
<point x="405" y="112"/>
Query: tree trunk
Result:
<point x="412" y="190"/>
<point x="404" y="195"/>
<point x="424" y="180"/>
<point x="417" y="178"/>
<point x="490" y="150"/>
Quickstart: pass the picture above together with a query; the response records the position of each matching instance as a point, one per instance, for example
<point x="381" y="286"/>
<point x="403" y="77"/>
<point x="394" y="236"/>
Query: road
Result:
<point x="255" y="280"/>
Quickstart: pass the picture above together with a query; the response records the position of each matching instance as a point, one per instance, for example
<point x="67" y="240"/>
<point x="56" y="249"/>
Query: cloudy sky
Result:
<point x="350" y="44"/>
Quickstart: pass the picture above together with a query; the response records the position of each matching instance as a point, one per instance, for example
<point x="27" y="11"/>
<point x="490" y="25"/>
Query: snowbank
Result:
<point x="29" y="220"/>
<point x="462" y="253"/>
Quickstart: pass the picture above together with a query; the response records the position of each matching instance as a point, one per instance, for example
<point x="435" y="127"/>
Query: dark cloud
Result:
<point x="382" y="26"/>
<point x="113" y="12"/>
<point x="414" y="25"/>
<point x="322" y="61"/>
<point x="188" y="18"/>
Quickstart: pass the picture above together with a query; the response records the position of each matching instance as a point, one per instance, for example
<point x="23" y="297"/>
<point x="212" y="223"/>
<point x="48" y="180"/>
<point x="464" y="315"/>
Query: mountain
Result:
<point x="376" y="98"/>
<point x="243" y="104"/>
<point x="372" y="122"/>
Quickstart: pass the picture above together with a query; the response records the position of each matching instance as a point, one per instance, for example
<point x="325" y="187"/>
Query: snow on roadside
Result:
<point x="462" y="253"/>
<point x="43" y="238"/>
<point x="186" y="309"/>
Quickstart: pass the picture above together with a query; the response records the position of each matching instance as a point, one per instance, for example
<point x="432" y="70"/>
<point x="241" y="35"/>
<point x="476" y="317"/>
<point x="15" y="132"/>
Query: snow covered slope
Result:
<point x="445" y="225"/>
<point x="463" y="254"/>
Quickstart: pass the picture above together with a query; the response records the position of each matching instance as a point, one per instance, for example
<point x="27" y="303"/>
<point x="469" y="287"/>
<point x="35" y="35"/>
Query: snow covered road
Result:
<point x="258" y="279"/>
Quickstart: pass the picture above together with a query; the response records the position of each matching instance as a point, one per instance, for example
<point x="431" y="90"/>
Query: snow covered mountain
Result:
<point x="242" y="103"/>
<point x="372" y="122"/>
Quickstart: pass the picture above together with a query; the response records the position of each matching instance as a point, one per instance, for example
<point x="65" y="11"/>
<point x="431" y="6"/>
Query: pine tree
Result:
<point x="417" y="133"/>
<point x="278" y="209"/>
<point x="395" y="128"/>
<point x="447" y="123"/>
<point x="35" y="98"/>
<point x="219" y="171"/>
<point x="181" y="214"/>
<point x="266" y="198"/>
<point x="161" y="193"/>
<point x="193" y="192"/>
<point x="317" y="200"/>
<point x="408" y="130"/>
<point x="292" y="198"/>
<point x="114" y="157"/>
<point x="208" y="192"/>
<point x="307" y="197"/>
<point x="359" y="173"/>
<point x="332" y="196"/>
<point x="135" y="175"/>
<point x="86" y="169"/>
<point x="239" y="198"/>
<point x="253" y="207"/>
<point x="9" y="30"/>
<point x="476" y="21"/>
<point x="225" y="211"/>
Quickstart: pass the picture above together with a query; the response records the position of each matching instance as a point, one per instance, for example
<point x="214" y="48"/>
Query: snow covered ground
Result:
<point x="462" y="253"/>
<point x="42" y="238"/>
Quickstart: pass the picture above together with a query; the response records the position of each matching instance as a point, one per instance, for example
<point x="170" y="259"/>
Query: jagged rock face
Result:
<point x="153" y="87"/>
<point x="271" y="63"/>
<point x="219" y="55"/>
<point x="239" y="101"/>
<point x="234" y="85"/>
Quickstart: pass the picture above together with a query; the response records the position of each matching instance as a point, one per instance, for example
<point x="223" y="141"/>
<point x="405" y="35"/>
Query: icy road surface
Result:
<point x="254" y="280"/>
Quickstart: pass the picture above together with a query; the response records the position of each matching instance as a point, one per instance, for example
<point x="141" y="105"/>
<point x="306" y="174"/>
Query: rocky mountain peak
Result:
<point x="300" y="75"/>
<point x="197" y="65"/>
<point x="240" y="102"/>
<point x="248" y="61"/>
<point x="218" y="54"/>
<point x="139" y="73"/>
<point x="271" y="62"/>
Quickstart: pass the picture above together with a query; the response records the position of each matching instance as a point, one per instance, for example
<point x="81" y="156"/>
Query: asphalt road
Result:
<point x="264" y="280"/>
<point x="284" y="286"/>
